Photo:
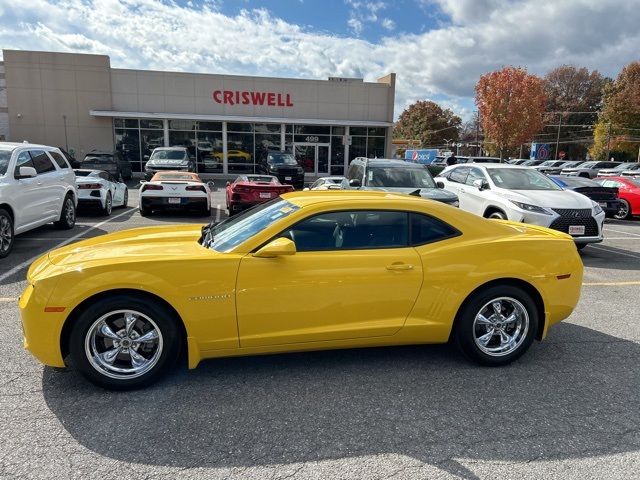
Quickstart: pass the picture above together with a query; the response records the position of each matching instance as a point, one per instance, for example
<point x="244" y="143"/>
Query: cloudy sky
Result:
<point x="438" y="48"/>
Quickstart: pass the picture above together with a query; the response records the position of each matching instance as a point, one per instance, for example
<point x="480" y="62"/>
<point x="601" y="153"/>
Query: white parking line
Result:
<point x="600" y="247"/>
<point x="621" y="231"/>
<point x="26" y="263"/>
<point x="217" y="213"/>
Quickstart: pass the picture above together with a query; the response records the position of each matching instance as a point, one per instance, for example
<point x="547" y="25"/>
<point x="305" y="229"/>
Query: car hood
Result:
<point x="549" y="198"/>
<point x="167" y="162"/>
<point x="430" y="193"/>
<point x="139" y="244"/>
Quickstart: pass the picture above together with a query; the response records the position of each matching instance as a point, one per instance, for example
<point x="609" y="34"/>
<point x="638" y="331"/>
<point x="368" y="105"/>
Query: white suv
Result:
<point x="37" y="186"/>
<point x="523" y="194"/>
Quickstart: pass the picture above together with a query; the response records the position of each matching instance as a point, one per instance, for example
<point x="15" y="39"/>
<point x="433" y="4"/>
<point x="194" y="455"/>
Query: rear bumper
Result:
<point x="162" y="203"/>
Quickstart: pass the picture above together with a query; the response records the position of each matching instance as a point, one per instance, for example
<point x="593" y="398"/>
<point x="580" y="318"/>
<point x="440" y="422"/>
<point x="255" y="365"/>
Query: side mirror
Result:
<point x="355" y="182"/>
<point x="277" y="248"/>
<point x="439" y="184"/>
<point x="26" y="172"/>
<point x="480" y="184"/>
<point x="146" y="157"/>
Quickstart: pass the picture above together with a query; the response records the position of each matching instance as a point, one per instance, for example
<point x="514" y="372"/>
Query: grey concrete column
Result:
<point x="225" y="166"/>
<point x="165" y="126"/>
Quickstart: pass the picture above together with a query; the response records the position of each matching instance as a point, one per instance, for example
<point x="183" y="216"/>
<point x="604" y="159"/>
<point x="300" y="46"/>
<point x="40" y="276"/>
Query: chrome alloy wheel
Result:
<point x="69" y="212"/>
<point x="500" y="326"/>
<point x="123" y="344"/>
<point x="6" y="235"/>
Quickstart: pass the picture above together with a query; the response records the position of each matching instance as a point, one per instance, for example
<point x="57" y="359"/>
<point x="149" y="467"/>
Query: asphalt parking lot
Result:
<point x="570" y="408"/>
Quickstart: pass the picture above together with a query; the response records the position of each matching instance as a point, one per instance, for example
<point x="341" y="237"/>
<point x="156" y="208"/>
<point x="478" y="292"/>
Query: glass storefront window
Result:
<point x="358" y="148"/>
<point x="358" y="131"/>
<point x="288" y="128"/>
<point x="211" y="126"/>
<point x="337" y="155"/>
<point x="159" y="124"/>
<point x="265" y="143"/>
<point x="183" y="139"/>
<point x="150" y="139"/>
<point x="311" y="138"/>
<point x="376" y="131"/>
<point x="312" y="129"/>
<point x="182" y="125"/>
<point x="267" y="128"/>
<point x="128" y="144"/>
<point x="239" y="127"/>
<point x="338" y="130"/>
<point x="240" y="153"/>
<point x="209" y="152"/>
<point x="375" y="147"/>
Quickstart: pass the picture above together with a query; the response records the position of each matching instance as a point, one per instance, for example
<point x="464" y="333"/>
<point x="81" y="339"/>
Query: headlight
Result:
<point x="597" y="209"/>
<point x="531" y="208"/>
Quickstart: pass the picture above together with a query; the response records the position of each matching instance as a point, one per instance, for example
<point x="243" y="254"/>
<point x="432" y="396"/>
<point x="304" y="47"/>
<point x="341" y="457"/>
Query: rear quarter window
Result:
<point x="426" y="229"/>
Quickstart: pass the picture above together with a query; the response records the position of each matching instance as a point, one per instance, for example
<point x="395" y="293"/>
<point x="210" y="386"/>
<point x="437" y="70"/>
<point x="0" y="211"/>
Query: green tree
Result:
<point x="428" y="122"/>
<point x="618" y="128"/>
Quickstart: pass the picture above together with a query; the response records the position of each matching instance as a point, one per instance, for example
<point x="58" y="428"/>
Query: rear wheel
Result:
<point x="68" y="215"/>
<point x="108" y="204"/>
<point x="144" y="210"/>
<point x="125" y="200"/>
<point x="624" y="210"/>
<point x="7" y="236"/>
<point x="123" y="342"/>
<point x="497" y="325"/>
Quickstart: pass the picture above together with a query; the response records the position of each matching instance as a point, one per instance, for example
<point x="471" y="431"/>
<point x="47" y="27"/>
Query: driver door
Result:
<point x="354" y="275"/>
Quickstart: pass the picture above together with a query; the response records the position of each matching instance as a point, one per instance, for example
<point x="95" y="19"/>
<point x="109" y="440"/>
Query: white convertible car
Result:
<point x="100" y="189"/>
<point x="522" y="194"/>
<point x="175" y="191"/>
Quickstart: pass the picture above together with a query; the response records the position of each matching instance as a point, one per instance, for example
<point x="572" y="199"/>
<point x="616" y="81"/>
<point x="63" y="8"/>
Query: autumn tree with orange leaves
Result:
<point x="511" y="103"/>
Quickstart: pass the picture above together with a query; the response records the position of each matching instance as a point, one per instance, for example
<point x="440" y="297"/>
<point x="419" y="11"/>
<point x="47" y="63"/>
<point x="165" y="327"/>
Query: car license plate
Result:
<point x="265" y="195"/>
<point x="174" y="200"/>
<point x="603" y="204"/>
<point x="287" y="178"/>
<point x="576" y="230"/>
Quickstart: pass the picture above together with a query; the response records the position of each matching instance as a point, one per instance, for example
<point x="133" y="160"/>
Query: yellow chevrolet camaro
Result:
<point x="306" y="271"/>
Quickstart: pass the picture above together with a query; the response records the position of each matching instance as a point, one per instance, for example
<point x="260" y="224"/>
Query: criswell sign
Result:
<point x="237" y="97"/>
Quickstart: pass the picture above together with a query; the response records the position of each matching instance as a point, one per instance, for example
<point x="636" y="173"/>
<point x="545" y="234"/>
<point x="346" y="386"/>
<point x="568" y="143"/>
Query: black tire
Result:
<point x="108" y="204"/>
<point x="467" y="330"/>
<point x="624" y="210"/>
<point x="581" y="246"/>
<point x="68" y="214"/>
<point x="497" y="214"/>
<point x="125" y="202"/>
<point x="206" y="211"/>
<point x="7" y="235"/>
<point x="163" y="351"/>
<point x="144" y="211"/>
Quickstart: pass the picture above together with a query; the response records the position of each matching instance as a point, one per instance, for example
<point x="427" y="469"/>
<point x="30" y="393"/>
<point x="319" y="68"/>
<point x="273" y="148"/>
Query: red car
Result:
<point x="628" y="192"/>
<point x="249" y="190"/>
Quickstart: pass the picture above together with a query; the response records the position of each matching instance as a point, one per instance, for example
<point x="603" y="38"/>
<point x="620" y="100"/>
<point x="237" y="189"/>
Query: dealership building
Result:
<point x="227" y="122"/>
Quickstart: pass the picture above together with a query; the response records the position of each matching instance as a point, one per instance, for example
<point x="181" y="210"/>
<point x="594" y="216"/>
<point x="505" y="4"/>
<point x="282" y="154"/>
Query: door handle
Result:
<point x="396" y="267"/>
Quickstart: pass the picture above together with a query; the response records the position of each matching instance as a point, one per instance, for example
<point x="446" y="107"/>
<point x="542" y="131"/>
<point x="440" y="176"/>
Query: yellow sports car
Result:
<point x="305" y="271"/>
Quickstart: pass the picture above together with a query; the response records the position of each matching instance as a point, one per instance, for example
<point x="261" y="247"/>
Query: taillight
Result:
<point x="195" y="188"/>
<point x="241" y="190"/>
<point x="89" y="186"/>
<point x="152" y="187"/>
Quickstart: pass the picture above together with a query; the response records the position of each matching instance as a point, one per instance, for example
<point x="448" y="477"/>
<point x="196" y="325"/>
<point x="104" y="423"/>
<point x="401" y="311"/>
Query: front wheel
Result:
<point x="7" y="236"/>
<point x="497" y="325"/>
<point x="68" y="215"/>
<point x="624" y="210"/>
<point x="123" y="342"/>
<point x="497" y="215"/>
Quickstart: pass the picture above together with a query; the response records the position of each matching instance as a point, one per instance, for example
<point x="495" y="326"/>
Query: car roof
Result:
<point x="311" y="197"/>
<point x="389" y="162"/>
<point x="14" y="145"/>
<point x="169" y="148"/>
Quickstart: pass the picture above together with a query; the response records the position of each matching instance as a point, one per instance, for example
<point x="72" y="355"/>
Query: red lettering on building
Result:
<point x="238" y="97"/>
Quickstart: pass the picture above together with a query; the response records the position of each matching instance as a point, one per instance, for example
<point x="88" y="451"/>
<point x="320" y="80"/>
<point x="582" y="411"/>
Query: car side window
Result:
<point x="41" y="161"/>
<point x="459" y="175"/>
<point x="59" y="159"/>
<point x="351" y="230"/>
<point x="23" y="160"/>
<point x="426" y="229"/>
<point x="475" y="174"/>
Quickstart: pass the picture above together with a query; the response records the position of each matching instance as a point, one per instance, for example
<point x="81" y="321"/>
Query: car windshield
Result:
<point x="167" y="155"/>
<point x="571" y="164"/>
<point x="588" y="164"/>
<point x="521" y="179"/>
<point x="5" y="156"/>
<point x="281" y="159"/>
<point x="548" y="163"/>
<point x="103" y="159"/>
<point x="231" y="232"/>
<point x="624" y="166"/>
<point x="400" y="177"/>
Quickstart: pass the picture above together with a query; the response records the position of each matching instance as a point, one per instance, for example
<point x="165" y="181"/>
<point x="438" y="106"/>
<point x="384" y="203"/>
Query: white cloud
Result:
<point x="388" y="24"/>
<point x="444" y="63"/>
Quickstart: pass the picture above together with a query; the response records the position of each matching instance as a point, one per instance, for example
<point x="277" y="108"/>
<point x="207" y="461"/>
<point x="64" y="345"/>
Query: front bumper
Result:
<point x="593" y="225"/>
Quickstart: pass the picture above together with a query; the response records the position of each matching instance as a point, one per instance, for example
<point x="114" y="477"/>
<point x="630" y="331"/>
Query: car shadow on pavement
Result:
<point x="608" y="257"/>
<point x="574" y="395"/>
